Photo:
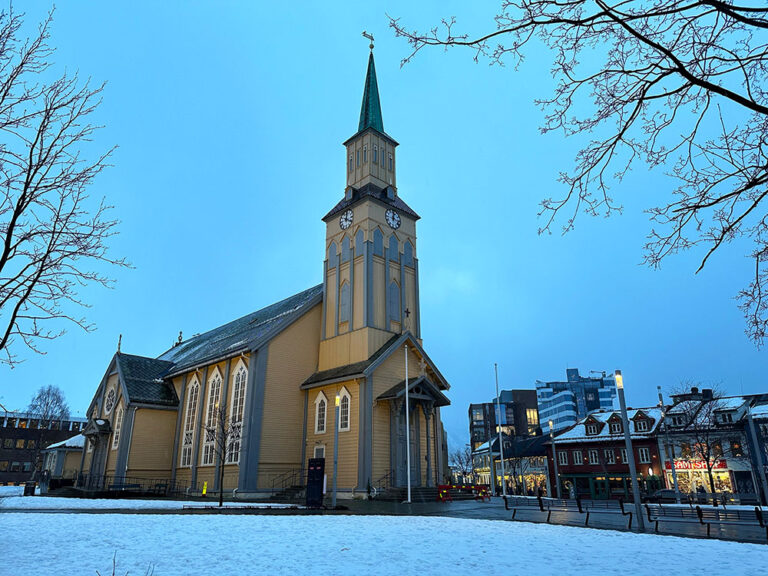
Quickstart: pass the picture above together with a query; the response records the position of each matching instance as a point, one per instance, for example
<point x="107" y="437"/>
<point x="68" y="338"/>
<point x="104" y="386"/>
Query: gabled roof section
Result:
<point x="241" y="334"/>
<point x="370" y="112"/>
<point x="373" y="192"/>
<point x="420" y="382"/>
<point x="367" y="367"/>
<point x="143" y="380"/>
<point x="74" y="443"/>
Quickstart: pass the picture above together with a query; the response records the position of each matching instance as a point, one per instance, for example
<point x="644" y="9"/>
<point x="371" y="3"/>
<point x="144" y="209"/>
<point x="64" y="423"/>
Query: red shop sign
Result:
<point x="696" y="465"/>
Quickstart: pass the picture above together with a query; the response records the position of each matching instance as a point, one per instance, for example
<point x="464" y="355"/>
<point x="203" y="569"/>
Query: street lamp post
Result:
<point x="669" y="448"/>
<point x="554" y="457"/>
<point x="498" y="423"/>
<point x="335" y="451"/>
<point x="630" y="454"/>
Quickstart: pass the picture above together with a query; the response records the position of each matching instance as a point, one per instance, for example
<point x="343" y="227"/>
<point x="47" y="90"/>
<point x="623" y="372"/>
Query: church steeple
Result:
<point x="370" y="112"/>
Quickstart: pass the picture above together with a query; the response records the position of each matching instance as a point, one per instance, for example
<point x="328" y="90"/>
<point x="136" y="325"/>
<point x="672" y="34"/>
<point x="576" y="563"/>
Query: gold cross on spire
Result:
<point x="370" y="37"/>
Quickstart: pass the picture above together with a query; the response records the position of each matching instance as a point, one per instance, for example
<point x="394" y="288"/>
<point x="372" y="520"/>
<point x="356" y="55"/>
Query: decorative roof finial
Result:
<point x="370" y="37"/>
<point x="180" y="338"/>
<point x="119" y="342"/>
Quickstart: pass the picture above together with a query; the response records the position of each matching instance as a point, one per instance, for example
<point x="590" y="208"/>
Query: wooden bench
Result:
<point x="549" y="505"/>
<point x="706" y="517"/>
<point x="605" y="507"/>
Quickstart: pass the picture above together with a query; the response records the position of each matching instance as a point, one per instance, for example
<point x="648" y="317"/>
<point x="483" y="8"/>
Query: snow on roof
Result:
<point x="760" y="411"/>
<point x="729" y="402"/>
<point x="77" y="441"/>
<point x="578" y="431"/>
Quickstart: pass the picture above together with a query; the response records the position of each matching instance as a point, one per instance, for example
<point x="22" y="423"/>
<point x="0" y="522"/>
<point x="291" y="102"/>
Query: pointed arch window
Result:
<point x="118" y="428"/>
<point x="365" y="154"/>
<point x="375" y="154"/>
<point x="190" y="417"/>
<point x="393" y="301"/>
<point x="212" y="419"/>
<point x="344" y="302"/>
<point x="238" y="410"/>
<point x="345" y="405"/>
<point x="321" y="413"/>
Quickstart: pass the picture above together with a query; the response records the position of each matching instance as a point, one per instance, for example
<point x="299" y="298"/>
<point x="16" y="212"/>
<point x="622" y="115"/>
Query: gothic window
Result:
<point x="238" y="409"/>
<point x="346" y="249"/>
<point x="211" y="418"/>
<point x="393" y="301"/>
<point x="359" y="243"/>
<point x="110" y="402"/>
<point x="350" y="162"/>
<point x="390" y="162"/>
<point x="189" y="424"/>
<point x="357" y="154"/>
<point x="344" y="303"/>
<point x="378" y="242"/>
<point x="375" y="154"/>
<point x="344" y="409"/>
<point x="365" y="154"/>
<point x="333" y="258"/>
<point x="118" y="427"/>
<point x="394" y="249"/>
<point x="321" y="412"/>
<point x="408" y="254"/>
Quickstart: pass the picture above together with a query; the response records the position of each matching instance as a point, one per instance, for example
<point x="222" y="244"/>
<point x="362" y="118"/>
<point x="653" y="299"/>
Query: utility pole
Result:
<point x="668" y="446"/>
<point x="498" y="423"/>
<point x="554" y="457"/>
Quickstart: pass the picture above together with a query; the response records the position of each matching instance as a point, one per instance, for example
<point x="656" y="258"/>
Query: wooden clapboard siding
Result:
<point x="151" y="443"/>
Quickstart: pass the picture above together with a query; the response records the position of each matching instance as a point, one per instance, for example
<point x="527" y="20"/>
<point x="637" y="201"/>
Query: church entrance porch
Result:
<point x="424" y="397"/>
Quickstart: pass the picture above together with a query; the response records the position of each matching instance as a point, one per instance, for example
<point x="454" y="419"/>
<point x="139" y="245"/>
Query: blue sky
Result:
<point x="229" y="120"/>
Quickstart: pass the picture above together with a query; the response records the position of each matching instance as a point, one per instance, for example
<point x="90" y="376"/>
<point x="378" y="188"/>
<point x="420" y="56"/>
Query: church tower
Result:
<point x="371" y="271"/>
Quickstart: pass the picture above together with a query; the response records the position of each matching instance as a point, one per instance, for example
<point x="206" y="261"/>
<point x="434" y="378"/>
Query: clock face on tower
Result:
<point x="393" y="219"/>
<point x="346" y="220"/>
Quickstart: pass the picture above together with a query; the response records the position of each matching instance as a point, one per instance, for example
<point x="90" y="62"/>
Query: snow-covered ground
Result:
<point x="53" y="503"/>
<point x="402" y="545"/>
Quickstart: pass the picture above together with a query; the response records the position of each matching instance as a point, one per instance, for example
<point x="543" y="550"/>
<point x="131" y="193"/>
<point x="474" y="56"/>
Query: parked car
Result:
<point x="666" y="496"/>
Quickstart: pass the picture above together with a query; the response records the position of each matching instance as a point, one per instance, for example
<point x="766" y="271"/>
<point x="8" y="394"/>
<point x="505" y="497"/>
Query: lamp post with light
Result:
<point x="630" y="454"/>
<point x="335" y="451"/>
<point x="554" y="457"/>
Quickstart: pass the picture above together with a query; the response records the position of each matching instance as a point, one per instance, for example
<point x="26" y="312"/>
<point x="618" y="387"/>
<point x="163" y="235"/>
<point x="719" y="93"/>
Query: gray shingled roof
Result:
<point x="371" y="191"/>
<point x="143" y="378"/>
<point x="399" y="388"/>
<point x="349" y="370"/>
<point x="238" y="334"/>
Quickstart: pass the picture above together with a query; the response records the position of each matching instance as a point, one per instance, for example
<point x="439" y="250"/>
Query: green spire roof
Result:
<point x="370" y="113"/>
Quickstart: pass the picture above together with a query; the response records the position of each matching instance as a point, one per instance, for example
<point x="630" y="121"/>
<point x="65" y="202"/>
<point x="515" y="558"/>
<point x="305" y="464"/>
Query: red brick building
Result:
<point x="592" y="460"/>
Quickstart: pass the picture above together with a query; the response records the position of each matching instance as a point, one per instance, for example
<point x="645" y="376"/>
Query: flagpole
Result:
<point x="498" y="423"/>
<point x="407" y="429"/>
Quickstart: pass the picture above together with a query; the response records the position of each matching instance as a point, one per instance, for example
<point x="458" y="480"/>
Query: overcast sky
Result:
<point x="230" y="118"/>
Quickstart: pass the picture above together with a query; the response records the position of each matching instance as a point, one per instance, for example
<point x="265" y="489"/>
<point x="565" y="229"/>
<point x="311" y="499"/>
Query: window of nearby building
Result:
<point x="118" y="427"/>
<point x="645" y="455"/>
<point x="350" y="162"/>
<point x="8" y="443"/>
<point x="4" y="465"/>
<point x="532" y="415"/>
<point x="624" y="455"/>
<point x="22" y="423"/>
<point x="365" y="154"/>
<point x="678" y="421"/>
<point x="641" y="425"/>
<point x="15" y="466"/>
<point x="736" y="449"/>
<point x="726" y="418"/>
<point x="615" y="427"/>
<point x="562" y="458"/>
<point x="238" y="409"/>
<point x="189" y="423"/>
<point x="20" y="444"/>
<point x="390" y="162"/>
<point x="375" y="154"/>
<point x="320" y="451"/>
<point x="593" y="457"/>
<point x="591" y="429"/>
<point x="31" y="444"/>
<point x="610" y="457"/>
<point x="685" y="449"/>
<point x="578" y="458"/>
<point x="357" y="156"/>
<point x="344" y="407"/>
<point x="212" y="419"/>
<point x="477" y="414"/>
<point x="26" y="466"/>
<point x="321" y="411"/>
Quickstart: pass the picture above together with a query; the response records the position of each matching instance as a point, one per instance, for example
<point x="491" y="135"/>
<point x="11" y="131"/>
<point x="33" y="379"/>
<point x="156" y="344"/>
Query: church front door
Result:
<point x="401" y="479"/>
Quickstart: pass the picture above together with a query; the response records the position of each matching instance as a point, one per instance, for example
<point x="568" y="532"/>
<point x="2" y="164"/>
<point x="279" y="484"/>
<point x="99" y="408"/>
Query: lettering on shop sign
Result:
<point x="696" y="465"/>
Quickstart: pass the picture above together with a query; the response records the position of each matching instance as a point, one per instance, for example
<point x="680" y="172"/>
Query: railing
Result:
<point x="382" y="484"/>
<point x="288" y="479"/>
<point x="132" y="484"/>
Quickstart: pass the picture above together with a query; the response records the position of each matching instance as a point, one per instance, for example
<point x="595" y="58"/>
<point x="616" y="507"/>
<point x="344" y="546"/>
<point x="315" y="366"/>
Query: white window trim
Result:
<point x="578" y="458"/>
<point x="562" y="458"/>
<point x="624" y="458"/>
<point x="118" y="427"/>
<point x="189" y="426"/>
<point x="314" y="451"/>
<point x="615" y="427"/>
<point x="211" y="420"/>
<point x="321" y="397"/>
<point x="591" y="429"/>
<point x="344" y="393"/>
<point x="647" y="453"/>
<point x="597" y="457"/>
<point x="609" y="455"/>
<point x="239" y="438"/>
<point x="107" y="407"/>
<point x="644" y="428"/>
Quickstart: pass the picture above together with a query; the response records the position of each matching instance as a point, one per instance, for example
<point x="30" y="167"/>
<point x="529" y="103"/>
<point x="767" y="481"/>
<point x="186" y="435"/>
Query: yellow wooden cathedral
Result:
<point x="275" y="375"/>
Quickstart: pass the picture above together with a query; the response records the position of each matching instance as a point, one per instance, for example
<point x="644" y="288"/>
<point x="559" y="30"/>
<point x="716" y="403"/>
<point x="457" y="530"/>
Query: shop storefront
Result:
<point x="728" y="475"/>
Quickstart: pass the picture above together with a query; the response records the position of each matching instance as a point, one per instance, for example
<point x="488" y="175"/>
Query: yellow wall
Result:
<point x="292" y="359"/>
<point x="151" y="447"/>
<point x="348" y="440"/>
